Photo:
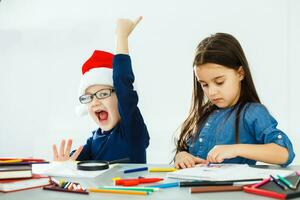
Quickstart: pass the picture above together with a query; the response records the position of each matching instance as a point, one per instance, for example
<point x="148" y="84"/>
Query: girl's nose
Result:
<point x="212" y="91"/>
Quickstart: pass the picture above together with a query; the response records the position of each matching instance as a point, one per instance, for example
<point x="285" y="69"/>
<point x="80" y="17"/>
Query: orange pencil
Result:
<point x="118" y="191"/>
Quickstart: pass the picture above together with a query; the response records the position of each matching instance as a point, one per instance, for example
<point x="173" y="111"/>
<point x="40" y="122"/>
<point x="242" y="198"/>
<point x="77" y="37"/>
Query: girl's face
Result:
<point x="221" y="85"/>
<point x="103" y="111"/>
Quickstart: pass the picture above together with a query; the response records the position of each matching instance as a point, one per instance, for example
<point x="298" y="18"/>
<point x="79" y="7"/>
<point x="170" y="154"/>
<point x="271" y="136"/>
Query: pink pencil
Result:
<point x="261" y="183"/>
<point x="298" y="173"/>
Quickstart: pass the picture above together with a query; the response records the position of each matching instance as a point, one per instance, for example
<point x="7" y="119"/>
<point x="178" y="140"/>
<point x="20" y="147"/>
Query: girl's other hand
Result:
<point x="185" y="160"/>
<point x="221" y="152"/>
<point x="64" y="153"/>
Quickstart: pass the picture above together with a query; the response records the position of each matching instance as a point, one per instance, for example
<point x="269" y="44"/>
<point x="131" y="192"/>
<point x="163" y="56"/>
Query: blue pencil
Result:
<point x="166" y="185"/>
<point x="135" y="170"/>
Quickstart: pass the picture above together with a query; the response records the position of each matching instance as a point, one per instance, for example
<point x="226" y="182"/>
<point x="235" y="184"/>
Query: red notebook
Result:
<point x="12" y="185"/>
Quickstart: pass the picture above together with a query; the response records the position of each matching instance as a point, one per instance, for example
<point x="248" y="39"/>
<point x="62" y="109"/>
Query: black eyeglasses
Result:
<point x="101" y="94"/>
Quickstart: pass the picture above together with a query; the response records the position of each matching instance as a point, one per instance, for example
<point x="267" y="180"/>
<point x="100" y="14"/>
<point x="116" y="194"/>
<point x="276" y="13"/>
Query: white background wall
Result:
<point x="44" y="43"/>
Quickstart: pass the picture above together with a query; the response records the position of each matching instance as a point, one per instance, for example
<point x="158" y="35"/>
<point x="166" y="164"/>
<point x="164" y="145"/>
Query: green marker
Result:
<point x="286" y="182"/>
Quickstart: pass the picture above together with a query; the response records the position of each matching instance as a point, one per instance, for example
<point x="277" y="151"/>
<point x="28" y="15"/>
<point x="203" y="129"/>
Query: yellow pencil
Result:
<point x="118" y="191"/>
<point x="162" y="169"/>
<point x="11" y="161"/>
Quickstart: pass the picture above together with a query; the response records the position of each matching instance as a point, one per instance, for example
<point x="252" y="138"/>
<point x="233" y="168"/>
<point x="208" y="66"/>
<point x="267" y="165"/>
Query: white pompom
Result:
<point x="81" y="110"/>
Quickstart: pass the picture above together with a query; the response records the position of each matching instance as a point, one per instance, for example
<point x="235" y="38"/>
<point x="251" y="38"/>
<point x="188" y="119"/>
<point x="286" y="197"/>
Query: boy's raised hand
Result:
<point x="126" y="26"/>
<point x="64" y="153"/>
<point x="123" y="30"/>
<point x="185" y="160"/>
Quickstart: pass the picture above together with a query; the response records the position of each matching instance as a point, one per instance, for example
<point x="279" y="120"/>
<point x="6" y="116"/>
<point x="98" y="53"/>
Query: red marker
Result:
<point x="137" y="181"/>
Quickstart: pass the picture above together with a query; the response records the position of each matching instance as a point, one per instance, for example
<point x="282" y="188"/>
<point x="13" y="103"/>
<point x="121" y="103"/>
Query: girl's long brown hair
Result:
<point x="222" y="49"/>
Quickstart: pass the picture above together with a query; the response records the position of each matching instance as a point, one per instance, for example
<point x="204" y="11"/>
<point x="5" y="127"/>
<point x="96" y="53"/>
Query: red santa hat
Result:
<point x="97" y="70"/>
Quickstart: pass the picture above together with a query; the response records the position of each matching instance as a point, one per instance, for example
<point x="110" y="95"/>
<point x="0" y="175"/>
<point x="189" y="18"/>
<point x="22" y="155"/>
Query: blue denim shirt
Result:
<point x="257" y="126"/>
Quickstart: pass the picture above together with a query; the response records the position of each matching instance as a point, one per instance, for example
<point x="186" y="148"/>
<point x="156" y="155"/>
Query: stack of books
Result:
<point x="16" y="174"/>
<point x="10" y="171"/>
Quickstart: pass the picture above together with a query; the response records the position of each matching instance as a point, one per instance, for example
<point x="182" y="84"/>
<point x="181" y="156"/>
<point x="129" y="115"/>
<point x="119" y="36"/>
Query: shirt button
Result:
<point x="279" y="136"/>
<point x="200" y="139"/>
<point x="207" y="124"/>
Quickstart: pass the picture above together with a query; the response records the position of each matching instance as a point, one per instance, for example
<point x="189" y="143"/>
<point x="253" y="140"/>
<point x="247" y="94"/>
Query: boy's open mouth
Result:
<point x="102" y="115"/>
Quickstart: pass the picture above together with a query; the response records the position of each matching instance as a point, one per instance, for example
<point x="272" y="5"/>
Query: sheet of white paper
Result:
<point x="65" y="169"/>
<point x="223" y="172"/>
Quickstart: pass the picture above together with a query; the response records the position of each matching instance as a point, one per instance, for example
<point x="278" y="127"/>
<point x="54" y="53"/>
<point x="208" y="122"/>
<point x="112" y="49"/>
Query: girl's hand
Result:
<point x="64" y="154"/>
<point x="185" y="160"/>
<point x="126" y="26"/>
<point x="221" y="152"/>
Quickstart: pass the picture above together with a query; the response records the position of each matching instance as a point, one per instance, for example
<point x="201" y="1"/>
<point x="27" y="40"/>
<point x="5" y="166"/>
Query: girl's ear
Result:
<point x="241" y="73"/>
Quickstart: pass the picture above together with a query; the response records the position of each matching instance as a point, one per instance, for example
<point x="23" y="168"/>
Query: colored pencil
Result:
<point x="166" y="185"/>
<point x="262" y="182"/>
<point x="135" y="170"/>
<point x="156" y="169"/>
<point x="118" y="191"/>
<point x="216" y="189"/>
<point x="145" y="189"/>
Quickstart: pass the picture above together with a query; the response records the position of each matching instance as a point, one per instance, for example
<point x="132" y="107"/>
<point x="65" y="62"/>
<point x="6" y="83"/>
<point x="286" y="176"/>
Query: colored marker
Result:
<point x="137" y="181"/>
<point x="286" y="182"/>
<point x="278" y="183"/>
<point x="54" y="181"/>
<point x="156" y="169"/>
<point x="118" y="191"/>
<point x="135" y="170"/>
<point x="166" y="185"/>
<point x="60" y="189"/>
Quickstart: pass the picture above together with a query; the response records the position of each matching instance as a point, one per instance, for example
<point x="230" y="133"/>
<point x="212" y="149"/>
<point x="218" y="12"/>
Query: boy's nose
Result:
<point x="96" y="101"/>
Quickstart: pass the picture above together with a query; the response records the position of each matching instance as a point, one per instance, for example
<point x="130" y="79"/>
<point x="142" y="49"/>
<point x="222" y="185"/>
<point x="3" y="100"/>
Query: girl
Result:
<point x="227" y="123"/>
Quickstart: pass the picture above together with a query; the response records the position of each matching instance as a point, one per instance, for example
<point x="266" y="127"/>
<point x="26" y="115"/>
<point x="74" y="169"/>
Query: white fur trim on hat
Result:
<point x="95" y="76"/>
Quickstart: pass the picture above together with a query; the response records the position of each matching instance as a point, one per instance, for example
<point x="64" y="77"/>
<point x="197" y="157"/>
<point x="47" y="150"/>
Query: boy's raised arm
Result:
<point x="123" y="30"/>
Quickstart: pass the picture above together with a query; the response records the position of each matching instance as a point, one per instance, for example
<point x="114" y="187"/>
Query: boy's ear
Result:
<point x="241" y="73"/>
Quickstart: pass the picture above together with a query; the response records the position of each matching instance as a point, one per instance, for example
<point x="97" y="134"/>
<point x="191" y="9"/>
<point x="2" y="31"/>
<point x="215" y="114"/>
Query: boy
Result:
<point x="107" y="94"/>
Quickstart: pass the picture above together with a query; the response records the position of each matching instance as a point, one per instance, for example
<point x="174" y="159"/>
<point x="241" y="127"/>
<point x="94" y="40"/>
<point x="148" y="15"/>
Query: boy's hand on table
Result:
<point x="64" y="153"/>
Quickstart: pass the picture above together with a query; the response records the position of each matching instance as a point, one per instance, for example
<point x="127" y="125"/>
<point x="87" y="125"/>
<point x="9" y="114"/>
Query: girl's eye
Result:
<point x="204" y="85"/>
<point x="220" y="83"/>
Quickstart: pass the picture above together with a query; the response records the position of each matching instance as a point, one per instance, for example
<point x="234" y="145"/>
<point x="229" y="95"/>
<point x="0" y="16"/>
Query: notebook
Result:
<point x="15" y="171"/>
<point x="12" y="185"/>
<point x="226" y="172"/>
